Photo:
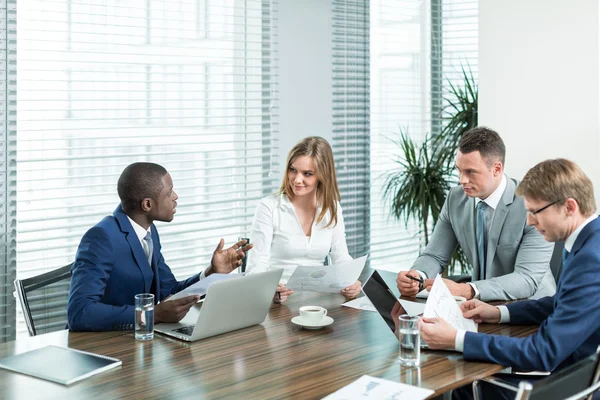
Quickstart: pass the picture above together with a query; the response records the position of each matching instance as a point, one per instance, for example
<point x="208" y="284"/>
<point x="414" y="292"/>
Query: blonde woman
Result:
<point x="302" y="223"/>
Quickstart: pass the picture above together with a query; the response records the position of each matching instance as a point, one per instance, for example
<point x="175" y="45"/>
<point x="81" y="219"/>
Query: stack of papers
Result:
<point x="326" y="279"/>
<point x="368" y="387"/>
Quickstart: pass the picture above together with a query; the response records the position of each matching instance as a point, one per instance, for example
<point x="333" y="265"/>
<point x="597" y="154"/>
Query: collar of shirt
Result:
<point x="139" y="231"/>
<point x="573" y="236"/>
<point x="493" y="199"/>
<point x="286" y="204"/>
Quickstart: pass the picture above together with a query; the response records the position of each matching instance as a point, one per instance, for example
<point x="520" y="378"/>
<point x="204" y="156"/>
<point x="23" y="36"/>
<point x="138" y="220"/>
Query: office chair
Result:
<point x="577" y="381"/>
<point x="43" y="299"/>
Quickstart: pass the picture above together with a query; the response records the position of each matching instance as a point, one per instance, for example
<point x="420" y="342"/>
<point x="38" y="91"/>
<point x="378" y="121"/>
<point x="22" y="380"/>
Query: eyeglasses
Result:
<point x="539" y="210"/>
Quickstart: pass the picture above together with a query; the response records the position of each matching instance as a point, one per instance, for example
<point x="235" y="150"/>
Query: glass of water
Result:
<point x="410" y="340"/>
<point x="144" y="316"/>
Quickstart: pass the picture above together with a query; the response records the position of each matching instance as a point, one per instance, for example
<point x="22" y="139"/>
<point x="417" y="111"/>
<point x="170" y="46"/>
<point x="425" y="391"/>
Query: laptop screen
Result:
<point x="384" y="300"/>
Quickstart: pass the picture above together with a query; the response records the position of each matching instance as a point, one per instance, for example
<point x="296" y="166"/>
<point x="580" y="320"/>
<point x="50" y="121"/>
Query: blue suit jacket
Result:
<point x="110" y="269"/>
<point x="569" y="321"/>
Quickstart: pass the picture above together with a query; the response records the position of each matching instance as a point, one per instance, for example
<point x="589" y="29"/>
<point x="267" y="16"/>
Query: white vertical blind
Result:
<point x="350" y="96"/>
<point x="189" y="84"/>
<point x="8" y="173"/>
<point x="400" y="98"/>
<point x="417" y="47"/>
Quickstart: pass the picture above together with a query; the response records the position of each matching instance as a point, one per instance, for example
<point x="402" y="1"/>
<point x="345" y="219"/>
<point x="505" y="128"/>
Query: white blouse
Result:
<point x="280" y="242"/>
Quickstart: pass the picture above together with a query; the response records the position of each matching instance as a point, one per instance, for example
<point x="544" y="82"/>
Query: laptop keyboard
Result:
<point x="186" y="330"/>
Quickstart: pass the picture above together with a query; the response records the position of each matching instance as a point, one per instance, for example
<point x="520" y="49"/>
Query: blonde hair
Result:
<point x="328" y="194"/>
<point x="559" y="180"/>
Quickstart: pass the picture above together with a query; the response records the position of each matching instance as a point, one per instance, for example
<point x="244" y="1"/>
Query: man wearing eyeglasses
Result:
<point x="484" y="217"/>
<point x="560" y="201"/>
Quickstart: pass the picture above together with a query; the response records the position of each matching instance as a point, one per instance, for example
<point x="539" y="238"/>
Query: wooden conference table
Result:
<point x="276" y="359"/>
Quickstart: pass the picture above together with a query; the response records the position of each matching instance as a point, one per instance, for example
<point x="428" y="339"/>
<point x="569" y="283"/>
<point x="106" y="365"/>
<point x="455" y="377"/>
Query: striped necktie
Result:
<point x="481" y="234"/>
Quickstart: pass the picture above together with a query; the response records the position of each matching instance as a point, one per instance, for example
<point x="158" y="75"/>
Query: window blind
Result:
<point x="454" y="47"/>
<point x="8" y="143"/>
<point x="350" y="94"/>
<point x="190" y="85"/>
<point x="400" y="99"/>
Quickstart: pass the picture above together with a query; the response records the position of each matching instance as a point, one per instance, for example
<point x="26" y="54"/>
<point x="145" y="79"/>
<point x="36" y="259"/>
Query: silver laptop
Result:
<point x="229" y="305"/>
<point x="384" y="300"/>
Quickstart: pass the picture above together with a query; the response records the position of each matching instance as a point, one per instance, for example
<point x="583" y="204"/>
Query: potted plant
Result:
<point x="418" y="188"/>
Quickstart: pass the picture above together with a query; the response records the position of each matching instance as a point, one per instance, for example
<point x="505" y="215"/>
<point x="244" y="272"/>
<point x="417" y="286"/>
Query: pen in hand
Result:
<point x="420" y="280"/>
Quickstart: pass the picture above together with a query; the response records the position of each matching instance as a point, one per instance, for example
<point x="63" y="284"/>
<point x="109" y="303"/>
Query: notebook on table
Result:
<point x="75" y="365"/>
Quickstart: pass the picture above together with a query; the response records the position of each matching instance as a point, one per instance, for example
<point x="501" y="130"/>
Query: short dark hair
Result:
<point x="486" y="141"/>
<point x="138" y="181"/>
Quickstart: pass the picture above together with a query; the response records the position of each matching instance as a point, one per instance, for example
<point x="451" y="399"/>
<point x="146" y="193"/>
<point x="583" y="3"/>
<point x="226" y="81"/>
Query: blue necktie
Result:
<point x="565" y="254"/>
<point x="481" y="233"/>
<point x="149" y="248"/>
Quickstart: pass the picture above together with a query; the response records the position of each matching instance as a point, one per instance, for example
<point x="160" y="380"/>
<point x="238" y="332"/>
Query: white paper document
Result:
<point x="441" y="304"/>
<point x="362" y="303"/>
<point x="201" y="287"/>
<point x="368" y="387"/>
<point x="328" y="278"/>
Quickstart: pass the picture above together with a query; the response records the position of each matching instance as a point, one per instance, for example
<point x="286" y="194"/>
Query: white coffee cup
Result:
<point x="312" y="315"/>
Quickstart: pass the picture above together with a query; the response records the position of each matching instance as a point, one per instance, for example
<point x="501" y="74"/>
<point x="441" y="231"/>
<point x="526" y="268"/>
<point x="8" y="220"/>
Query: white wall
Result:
<point x="305" y="56"/>
<point x="539" y="81"/>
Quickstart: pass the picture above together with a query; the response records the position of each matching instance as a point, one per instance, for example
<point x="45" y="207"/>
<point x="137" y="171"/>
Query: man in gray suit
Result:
<point x="517" y="258"/>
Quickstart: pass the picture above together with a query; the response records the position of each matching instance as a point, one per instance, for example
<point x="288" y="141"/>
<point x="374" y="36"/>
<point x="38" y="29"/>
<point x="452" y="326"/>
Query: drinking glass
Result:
<point x="144" y="316"/>
<point x="410" y="340"/>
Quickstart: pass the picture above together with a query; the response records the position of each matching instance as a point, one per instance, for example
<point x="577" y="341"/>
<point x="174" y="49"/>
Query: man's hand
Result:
<point x="225" y="261"/>
<point x="407" y="286"/>
<point x="281" y="294"/>
<point x="437" y="333"/>
<point x="352" y="291"/>
<point x="174" y="311"/>
<point x="480" y="312"/>
<point x="456" y="289"/>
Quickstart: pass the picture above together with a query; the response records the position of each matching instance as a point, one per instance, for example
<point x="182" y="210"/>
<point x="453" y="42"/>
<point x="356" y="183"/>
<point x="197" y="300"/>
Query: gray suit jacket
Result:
<point x="518" y="257"/>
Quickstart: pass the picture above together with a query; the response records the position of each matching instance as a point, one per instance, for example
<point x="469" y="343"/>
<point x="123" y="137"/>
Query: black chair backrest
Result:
<point x="569" y="381"/>
<point x="43" y="300"/>
<point x="556" y="260"/>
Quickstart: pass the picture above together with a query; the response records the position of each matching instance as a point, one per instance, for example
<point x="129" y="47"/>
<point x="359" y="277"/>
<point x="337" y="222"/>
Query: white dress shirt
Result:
<point x="139" y="232"/>
<point x="459" y="340"/>
<point x="280" y="242"/>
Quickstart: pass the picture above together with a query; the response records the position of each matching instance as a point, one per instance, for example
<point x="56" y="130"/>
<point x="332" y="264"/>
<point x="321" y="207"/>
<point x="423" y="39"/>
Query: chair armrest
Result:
<point x="494" y="381"/>
<point x="501" y="383"/>
<point x="460" y="278"/>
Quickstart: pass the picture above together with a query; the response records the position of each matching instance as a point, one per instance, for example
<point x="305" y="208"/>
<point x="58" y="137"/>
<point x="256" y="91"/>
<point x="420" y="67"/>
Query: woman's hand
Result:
<point x="352" y="291"/>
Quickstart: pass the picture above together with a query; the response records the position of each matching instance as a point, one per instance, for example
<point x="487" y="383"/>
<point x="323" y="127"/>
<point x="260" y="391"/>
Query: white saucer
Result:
<point x="324" y="322"/>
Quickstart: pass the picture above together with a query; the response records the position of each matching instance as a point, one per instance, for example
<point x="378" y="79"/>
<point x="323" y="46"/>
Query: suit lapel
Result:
<point x="136" y="247"/>
<point x="155" y="255"/>
<point x="500" y="215"/>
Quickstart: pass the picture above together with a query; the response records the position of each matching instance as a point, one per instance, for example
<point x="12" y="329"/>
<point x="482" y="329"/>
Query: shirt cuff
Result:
<point x="459" y="340"/>
<point x="504" y="314"/>
<point x="422" y="274"/>
<point x="476" y="295"/>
